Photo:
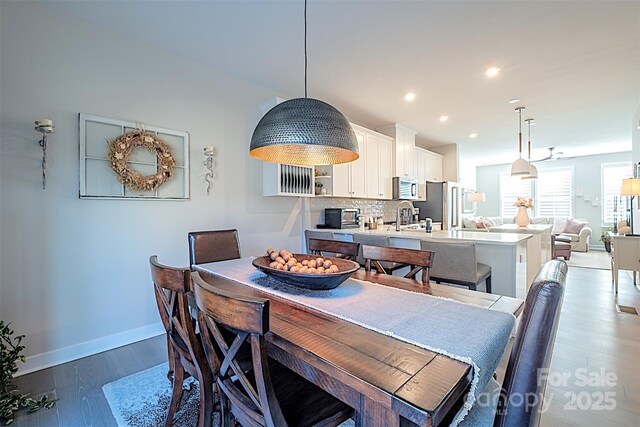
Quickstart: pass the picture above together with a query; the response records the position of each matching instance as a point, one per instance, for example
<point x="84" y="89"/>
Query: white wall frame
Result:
<point x="181" y="170"/>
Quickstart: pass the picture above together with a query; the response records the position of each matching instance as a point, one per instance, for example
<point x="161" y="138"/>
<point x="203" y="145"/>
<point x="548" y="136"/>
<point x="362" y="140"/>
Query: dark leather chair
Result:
<point x="186" y="355"/>
<point x="213" y="246"/>
<point x="531" y="353"/>
<point x="268" y="394"/>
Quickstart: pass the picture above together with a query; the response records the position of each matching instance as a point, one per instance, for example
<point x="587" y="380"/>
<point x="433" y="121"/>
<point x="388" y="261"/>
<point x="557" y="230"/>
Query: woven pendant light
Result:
<point x="533" y="171"/>
<point x="304" y="131"/>
<point x="520" y="167"/>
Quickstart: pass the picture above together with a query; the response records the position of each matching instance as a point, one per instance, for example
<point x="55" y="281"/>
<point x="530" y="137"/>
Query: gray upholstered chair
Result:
<point x="455" y="262"/>
<point x="518" y="400"/>
<point x="365" y="239"/>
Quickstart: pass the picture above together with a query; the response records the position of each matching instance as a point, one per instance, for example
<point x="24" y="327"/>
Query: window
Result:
<point x="554" y="191"/>
<point x="613" y="205"/>
<point x="510" y="189"/>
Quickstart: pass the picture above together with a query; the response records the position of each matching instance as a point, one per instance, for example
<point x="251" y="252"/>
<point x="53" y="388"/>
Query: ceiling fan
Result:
<point x="553" y="155"/>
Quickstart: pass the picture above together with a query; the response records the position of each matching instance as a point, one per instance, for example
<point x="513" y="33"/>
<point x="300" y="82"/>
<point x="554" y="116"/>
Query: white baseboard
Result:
<point x="88" y="348"/>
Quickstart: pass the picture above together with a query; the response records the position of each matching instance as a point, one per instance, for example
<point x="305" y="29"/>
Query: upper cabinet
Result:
<point x="428" y="165"/>
<point x="379" y="166"/>
<point x="403" y="149"/>
<point x="368" y="177"/>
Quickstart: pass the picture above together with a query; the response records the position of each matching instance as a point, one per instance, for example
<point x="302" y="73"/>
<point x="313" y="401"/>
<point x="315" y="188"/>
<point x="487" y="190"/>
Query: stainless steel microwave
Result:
<point x="405" y="188"/>
<point x="341" y="218"/>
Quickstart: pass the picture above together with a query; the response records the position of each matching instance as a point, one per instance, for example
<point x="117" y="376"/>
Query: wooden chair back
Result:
<point x="213" y="246"/>
<point x="532" y="349"/>
<point x="416" y="259"/>
<point x="171" y="287"/>
<point x="344" y="250"/>
<point x="253" y="402"/>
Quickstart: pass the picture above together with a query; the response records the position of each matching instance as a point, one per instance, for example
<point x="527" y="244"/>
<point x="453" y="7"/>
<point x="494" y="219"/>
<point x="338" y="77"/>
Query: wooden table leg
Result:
<point x="374" y="414"/>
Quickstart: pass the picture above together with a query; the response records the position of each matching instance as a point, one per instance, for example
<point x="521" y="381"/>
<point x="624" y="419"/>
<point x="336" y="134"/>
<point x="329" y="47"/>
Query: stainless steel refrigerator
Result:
<point x="443" y="204"/>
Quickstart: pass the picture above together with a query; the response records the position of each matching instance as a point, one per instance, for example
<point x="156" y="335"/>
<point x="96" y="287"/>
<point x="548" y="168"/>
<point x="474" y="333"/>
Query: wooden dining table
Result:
<point x="387" y="381"/>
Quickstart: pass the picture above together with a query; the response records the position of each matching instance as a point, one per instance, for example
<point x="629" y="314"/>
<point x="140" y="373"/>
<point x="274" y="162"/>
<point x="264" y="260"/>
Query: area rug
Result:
<point x="142" y="400"/>
<point x="594" y="259"/>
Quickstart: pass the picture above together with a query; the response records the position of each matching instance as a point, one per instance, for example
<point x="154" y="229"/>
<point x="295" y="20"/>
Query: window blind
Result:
<point x="554" y="193"/>
<point x="510" y="189"/>
<point x="613" y="206"/>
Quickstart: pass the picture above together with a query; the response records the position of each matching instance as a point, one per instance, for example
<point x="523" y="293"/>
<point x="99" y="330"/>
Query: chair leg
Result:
<point x="176" y="392"/>
<point x="488" y="284"/>
<point x="171" y="360"/>
<point x="205" y="419"/>
<point x="226" y="417"/>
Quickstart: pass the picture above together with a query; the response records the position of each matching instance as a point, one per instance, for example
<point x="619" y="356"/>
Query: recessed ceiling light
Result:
<point x="473" y="135"/>
<point x="410" y="97"/>
<point x="444" y="118"/>
<point x="514" y="101"/>
<point x="492" y="71"/>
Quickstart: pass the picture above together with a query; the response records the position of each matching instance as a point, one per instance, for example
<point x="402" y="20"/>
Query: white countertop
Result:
<point x="473" y="236"/>
<point x="531" y="229"/>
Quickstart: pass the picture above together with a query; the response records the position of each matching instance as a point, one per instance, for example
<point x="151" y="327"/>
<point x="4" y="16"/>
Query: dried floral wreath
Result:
<point x="120" y="149"/>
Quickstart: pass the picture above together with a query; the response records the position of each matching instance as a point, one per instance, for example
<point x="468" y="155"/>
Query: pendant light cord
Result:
<point x="305" y="48"/>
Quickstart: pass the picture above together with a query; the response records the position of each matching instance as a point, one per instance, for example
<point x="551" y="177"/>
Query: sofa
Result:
<point x="579" y="242"/>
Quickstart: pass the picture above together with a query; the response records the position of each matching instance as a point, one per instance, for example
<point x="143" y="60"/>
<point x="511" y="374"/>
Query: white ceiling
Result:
<point x="574" y="65"/>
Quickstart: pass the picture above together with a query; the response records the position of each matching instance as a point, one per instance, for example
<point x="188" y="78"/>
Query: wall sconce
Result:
<point x="45" y="126"/>
<point x="209" y="152"/>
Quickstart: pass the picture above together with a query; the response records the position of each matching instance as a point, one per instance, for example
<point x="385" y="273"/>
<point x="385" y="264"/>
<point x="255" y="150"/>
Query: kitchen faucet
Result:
<point x="407" y="204"/>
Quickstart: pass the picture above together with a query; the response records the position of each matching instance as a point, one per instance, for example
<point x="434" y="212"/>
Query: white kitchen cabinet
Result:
<point x="368" y="177"/>
<point x="404" y="142"/>
<point x="379" y="166"/>
<point x="358" y="169"/>
<point x="428" y="165"/>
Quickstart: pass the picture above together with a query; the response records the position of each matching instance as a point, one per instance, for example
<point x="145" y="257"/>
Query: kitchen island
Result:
<point x="506" y="253"/>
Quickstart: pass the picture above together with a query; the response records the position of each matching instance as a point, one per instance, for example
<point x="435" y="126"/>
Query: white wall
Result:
<point x="74" y="274"/>
<point x="450" y="161"/>
<point x="586" y="177"/>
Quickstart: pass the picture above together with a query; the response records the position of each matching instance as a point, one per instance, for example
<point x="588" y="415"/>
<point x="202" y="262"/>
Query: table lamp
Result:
<point x="476" y="197"/>
<point x="630" y="188"/>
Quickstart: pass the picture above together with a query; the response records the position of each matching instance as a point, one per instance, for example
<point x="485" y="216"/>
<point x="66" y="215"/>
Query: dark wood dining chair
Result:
<point x="373" y="240"/>
<point x="269" y="394"/>
<point x="417" y="260"/>
<point x="213" y="246"/>
<point x="520" y="397"/>
<point x="341" y="249"/>
<point x="186" y="354"/>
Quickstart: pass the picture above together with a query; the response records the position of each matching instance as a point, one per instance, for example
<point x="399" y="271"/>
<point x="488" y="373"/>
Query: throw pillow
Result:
<point x="469" y="222"/>
<point x="558" y="225"/>
<point x="480" y="224"/>
<point x="573" y="227"/>
<point x="497" y="221"/>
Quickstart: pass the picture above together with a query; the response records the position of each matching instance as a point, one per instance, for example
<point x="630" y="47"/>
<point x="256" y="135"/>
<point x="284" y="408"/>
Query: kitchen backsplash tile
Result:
<point x="374" y="208"/>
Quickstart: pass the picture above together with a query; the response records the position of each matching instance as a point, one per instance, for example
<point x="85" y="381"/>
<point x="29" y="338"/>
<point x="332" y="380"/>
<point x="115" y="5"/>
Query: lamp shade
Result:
<point x="520" y="167"/>
<point x="304" y="131"/>
<point x="533" y="172"/>
<point x="476" y="197"/>
<point x="630" y="187"/>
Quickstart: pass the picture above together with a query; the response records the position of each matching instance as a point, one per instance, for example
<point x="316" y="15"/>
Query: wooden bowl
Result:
<point x="309" y="281"/>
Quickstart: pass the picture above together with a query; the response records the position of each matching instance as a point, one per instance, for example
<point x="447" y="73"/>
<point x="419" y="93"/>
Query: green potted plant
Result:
<point x="605" y="237"/>
<point x="11" y="399"/>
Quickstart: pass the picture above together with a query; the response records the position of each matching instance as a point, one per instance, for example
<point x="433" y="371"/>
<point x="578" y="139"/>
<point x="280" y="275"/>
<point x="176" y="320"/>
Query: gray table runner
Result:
<point x="469" y="333"/>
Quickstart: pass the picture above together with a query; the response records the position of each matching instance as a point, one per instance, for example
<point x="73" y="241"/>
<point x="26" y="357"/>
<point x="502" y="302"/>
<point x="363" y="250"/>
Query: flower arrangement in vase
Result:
<point x="522" y="217"/>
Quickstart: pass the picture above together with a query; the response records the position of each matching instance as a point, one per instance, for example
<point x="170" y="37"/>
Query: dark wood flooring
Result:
<point x="591" y="335"/>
